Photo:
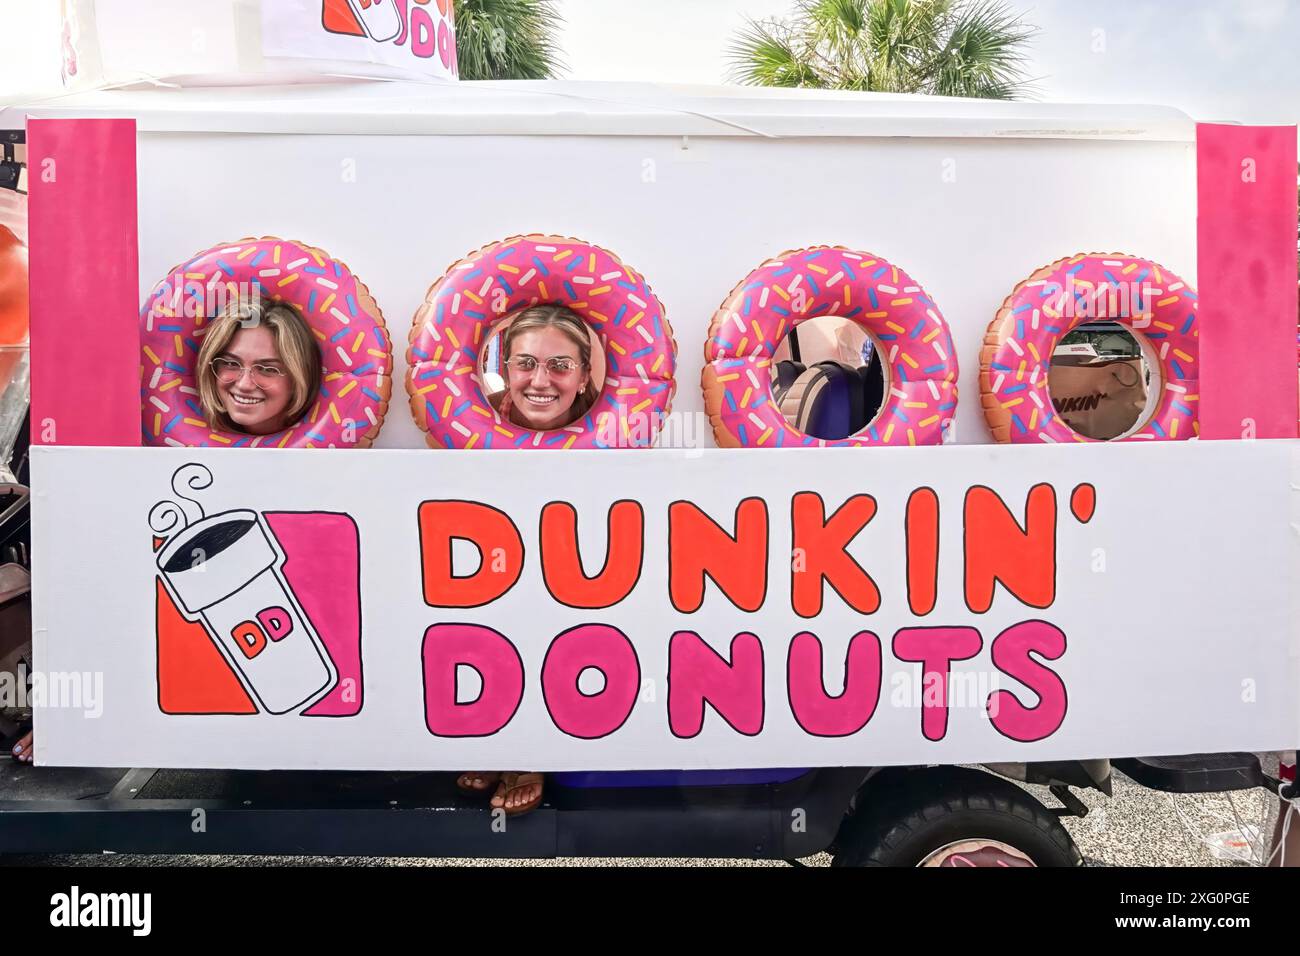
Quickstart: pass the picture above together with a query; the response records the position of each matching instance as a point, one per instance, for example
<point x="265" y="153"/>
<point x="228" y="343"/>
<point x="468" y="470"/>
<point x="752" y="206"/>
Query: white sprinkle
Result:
<point x="452" y="387"/>
<point x="188" y="390"/>
<point x="1033" y="397"/>
<point x="455" y="304"/>
<point x="762" y="298"/>
<point x="639" y="303"/>
<point x="545" y="248"/>
<point x="460" y="428"/>
<point x="159" y="403"/>
<point x="341" y="316"/>
<point x="157" y="374"/>
<point x="997" y="382"/>
<point x="297" y="263"/>
<point x="1043" y="436"/>
<point x="898" y="393"/>
<point x="1170" y="386"/>
<point x="173" y="442"/>
<point x="832" y="280"/>
<point x="645" y="334"/>
<point x="527" y="278"/>
<point x="934" y="389"/>
<point x="583" y="280"/>
<point x="610" y="275"/>
<point x="938" y="349"/>
<point x="893" y="354"/>
<point x="913" y="288"/>
<point x="887" y="288"/>
<point x="758" y="422"/>
<point x="1015" y="347"/>
<point x="753" y="379"/>
<point x="321" y="280"/>
<point x="347" y="359"/>
<point x="487" y="284"/>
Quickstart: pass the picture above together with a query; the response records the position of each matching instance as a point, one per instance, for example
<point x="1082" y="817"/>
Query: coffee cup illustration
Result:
<point x="224" y="572"/>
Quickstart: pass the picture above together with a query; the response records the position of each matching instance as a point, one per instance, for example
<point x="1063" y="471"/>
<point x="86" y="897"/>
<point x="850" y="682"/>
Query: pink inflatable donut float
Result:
<point x="356" y="354"/>
<point x="1139" y="294"/>
<point x="483" y="289"/>
<point x="820" y="281"/>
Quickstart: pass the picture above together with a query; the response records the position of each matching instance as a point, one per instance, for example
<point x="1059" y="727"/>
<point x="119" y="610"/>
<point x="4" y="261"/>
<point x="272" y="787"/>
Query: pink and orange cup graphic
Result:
<point x="224" y="572"/>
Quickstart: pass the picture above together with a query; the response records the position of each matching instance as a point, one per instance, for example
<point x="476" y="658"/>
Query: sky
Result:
<point x="1214" y="59"/>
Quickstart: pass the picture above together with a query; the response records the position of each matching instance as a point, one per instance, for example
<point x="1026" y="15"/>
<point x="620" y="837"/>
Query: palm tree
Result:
<point x="941" y="47"/>
<point x="507" y="39"/>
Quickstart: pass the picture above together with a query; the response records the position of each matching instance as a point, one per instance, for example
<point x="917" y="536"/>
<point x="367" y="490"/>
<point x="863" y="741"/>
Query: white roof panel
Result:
<point x="564" y="108"/>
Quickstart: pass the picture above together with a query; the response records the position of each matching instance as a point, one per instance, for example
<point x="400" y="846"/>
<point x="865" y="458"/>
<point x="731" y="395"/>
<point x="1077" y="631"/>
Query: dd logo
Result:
<point x="251" y="636"/>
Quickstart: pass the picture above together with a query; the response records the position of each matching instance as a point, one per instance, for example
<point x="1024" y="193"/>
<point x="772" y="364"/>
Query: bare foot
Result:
<point x="518" y="792"/>
<point x="25" y="749"/>
<point x="477" y="781"/>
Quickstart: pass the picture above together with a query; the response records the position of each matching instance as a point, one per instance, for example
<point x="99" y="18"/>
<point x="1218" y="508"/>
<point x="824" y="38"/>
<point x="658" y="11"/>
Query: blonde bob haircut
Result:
<point x="293" y="339"/>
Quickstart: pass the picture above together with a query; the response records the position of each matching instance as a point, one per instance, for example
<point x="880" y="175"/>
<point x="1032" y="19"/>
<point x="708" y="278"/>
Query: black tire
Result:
<point x="903" y="816"/>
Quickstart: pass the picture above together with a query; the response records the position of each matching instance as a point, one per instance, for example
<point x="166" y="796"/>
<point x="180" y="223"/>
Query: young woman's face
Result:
<point x="542" y="398"/>
<point x="257" y="401"/>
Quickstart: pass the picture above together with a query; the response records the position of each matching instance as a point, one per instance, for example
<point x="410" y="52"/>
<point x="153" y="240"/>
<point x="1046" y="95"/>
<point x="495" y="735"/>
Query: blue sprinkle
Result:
<point x="1019" y="309"/>
<point x="314" y="270"/>
<point x="1000" y="367"/>
<point x="311" y="301"/>
<point x="784" y="270"/>
<point x="931" y="369"/>
<point x="879" y="272"/>
<point x="168" y="427"/>
<point x="573" y="263"/>
<point x="901" y="415"/>
<point x="1155" y="426"/>
<point x="339" y="334"/>
<point x="871" y="294"/>
<point x="541" y="266"/>
<point x="257" y="259"/>
<point x="503" y="253"/>
<point x="476" y="315"/>
<point x="1187" y="326"/>
<point x="917" y="331"/>
<point x="1019" y="424"/>
<point x="174" y="367"/>
<point x="371" y="393"/>
<point x="642" y="353"/>
<point x="1181" y="407"/>
<point x="744" y="435"/>
<point x="731" y="401"/>
<point x="225" y="268"/>
<point x="568" y="287"/>
<point x="622" y="311"/>
<point x="433" y="412"/>
<point x="1014" y="388"/>
<point x="1178" y="370"/>
<point x="352" y="305"/>
<point x="780" y="311"/>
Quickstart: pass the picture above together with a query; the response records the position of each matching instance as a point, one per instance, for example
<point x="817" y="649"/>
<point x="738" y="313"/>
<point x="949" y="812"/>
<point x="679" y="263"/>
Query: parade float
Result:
<point x="682" y="583"/>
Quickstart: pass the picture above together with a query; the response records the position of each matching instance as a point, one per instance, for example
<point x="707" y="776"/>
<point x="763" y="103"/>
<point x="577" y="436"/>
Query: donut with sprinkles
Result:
<point x="356" y="353"/>
<point x="803" y="284"/>
<point x="485" y="288"/>
<point x="1149" y="300"/>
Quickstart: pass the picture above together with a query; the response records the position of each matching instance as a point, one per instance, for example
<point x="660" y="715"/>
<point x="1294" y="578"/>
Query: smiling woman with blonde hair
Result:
<point x="259" y="368"/>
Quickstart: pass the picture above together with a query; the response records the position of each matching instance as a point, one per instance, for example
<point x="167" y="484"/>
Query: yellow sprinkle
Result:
<point x="911" y="438"/>
<point x="1129" y="268"/>
<point x="1033" y="420"/>
<point x="758" y="333"/>
<point x="423" y="391"/>
<point x="907" y="301"/>
<point x="157" y="424"/>
<point x="1020" y="372"/>
<point x="601" y="291"/>
<point x="325" y="306"/>
<point x="933" y="332"/>
<point x="912" y="363"/>
<point x="561" y="256"/>
<point x="781" y="292"/>
<point x="762" y="439"/>
<point x="463" y="370"/>
<point x="1183" y="355"/>
<point x="1191" y="398"/>
<point x="473" y="439"/>
<point x="275" y="255"/>
<point x="481" y="410"/>
<point x="731" y="377"/>
<point x="573" y="438"/>
<point x="319" y="334"/>
<point x="893" y="326"/>
<point x="659" y="360"/>
<point x="889" y="432"/>
<point x="816" y="268"/>
<point x="472" y="297"/>
<point x="1164" y="325"/>
<point x="291" y="277"/>
<point x="503" y="431"/>
<point x="222" y="439"/>
<point x="197" y="422"/>
<point x="285" y="440"/>
<point x="506" y="267"/>
<point x="591" y="263"/>
<point x="437" y="354"/>
<point x="451" y="334"/>
<point x="379" y="353"/>
<point x="848" y="296"/>
<point x="446" y="407"/>
<point x="180" y="348"/>
<point x="361" y="337"/>
<point x="598" y="316"/>
<point x="740" y="349"/>
<point x="334" y="414"/>
<point x="195" y="275"/>
<point x="927" y="422"/>
<point x="347" y="388"/>
<point x="1033" y="350"/>
<point x="637" y="409"/>
<point x="245" y="254"/>
<point x="618" y="348"/>
<point x="744" y="400"/>
<point x="914" y="404"/>
<point x="631" y="323"/>
<point x="1173" y="428"/>
<point x="1170" y="300"/>
<point x="315" y="412"/>
<point x="1013" y="403"/>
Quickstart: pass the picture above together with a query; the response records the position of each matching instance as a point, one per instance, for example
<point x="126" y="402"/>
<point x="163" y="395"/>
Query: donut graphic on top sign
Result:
<point x="257" y="613"/>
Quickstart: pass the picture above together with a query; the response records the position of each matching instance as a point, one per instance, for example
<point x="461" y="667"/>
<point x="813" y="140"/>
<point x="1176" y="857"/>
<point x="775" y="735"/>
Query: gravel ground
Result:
<point x="1135" y="827"/>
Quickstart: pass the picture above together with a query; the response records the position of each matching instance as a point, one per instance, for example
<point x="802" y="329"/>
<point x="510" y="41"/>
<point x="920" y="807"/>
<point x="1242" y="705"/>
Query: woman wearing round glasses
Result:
<point x="258" y="369"/>
<point x="546" y="359"/>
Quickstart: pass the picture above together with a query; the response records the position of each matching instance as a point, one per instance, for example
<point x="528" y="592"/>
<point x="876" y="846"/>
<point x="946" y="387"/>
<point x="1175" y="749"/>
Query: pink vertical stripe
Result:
<point x="85" y="276"/>
<point x="1246" y="242"/>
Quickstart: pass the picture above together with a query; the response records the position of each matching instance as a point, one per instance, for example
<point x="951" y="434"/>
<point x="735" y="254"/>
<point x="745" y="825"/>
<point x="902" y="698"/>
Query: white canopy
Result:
<point x="567" y="108"/>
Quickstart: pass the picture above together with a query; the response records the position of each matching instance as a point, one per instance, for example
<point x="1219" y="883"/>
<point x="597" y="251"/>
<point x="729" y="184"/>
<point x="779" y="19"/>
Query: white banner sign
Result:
<point x="663" y="609"/>
<point x="412" y="35"/>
